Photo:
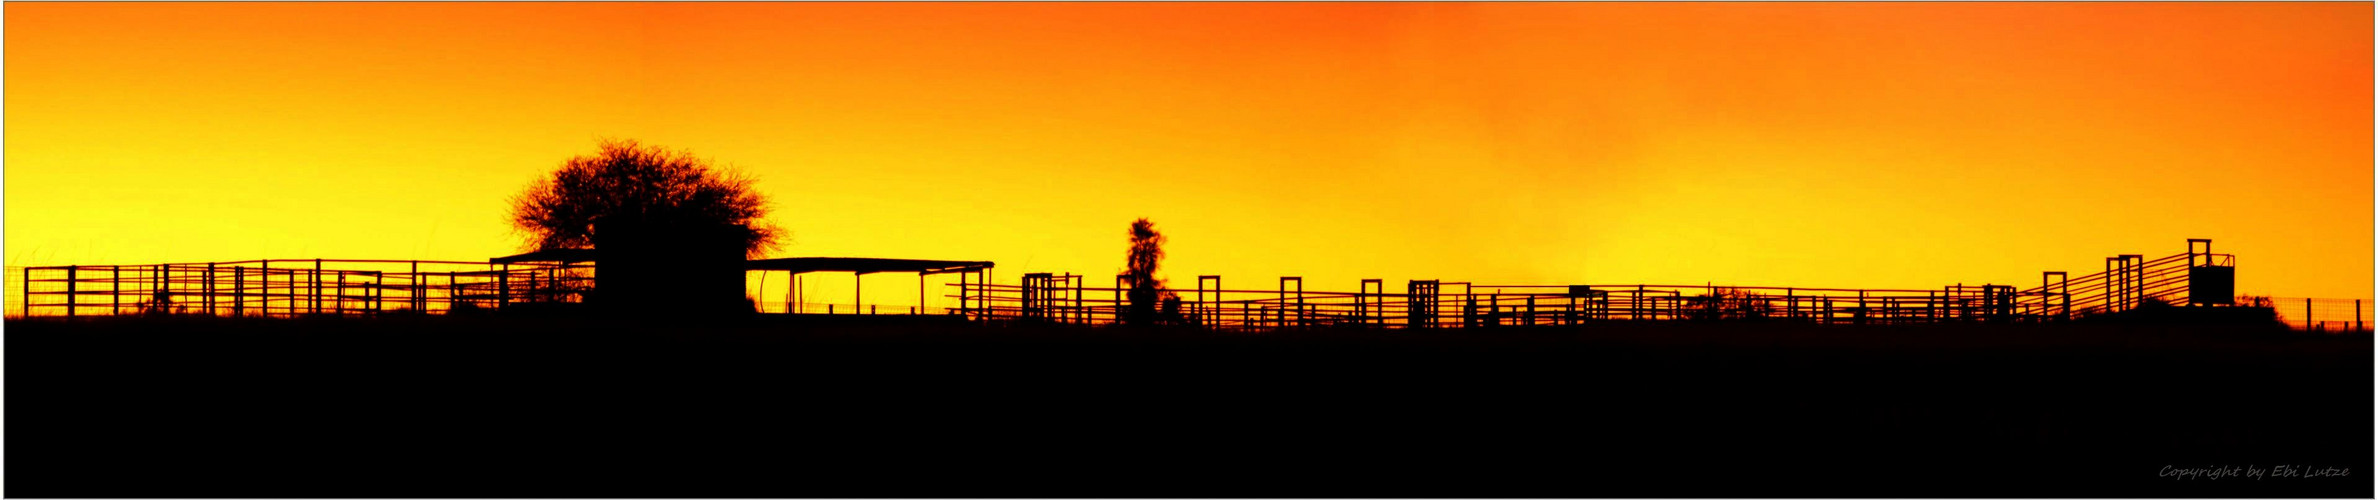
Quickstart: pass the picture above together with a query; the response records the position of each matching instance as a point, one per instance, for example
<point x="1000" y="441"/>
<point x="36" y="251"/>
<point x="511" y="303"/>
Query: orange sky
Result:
<point x="1899" y="145"/>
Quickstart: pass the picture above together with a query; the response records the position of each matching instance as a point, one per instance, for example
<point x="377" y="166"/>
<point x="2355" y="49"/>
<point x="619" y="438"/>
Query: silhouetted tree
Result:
<point x="630" y="181"/>
<point x="1728" y="303"/>
<point x="2254" y="301"/>
<point x="160" y="303"/>
<point x="1171" y="313"/>
<point x="1139" y="275"/>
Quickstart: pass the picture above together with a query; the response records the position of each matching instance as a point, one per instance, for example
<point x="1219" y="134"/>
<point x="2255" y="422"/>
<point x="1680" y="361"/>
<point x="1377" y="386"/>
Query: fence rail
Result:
<point x="1465" y="305"/>
<point x="325" y="287"/>
<point x="285" y="288"/>
<point x="346" y="287"/>
<point x="2123" y="286"/>
<point x="1429" y="304"/>
<point x="2127" y="283"/>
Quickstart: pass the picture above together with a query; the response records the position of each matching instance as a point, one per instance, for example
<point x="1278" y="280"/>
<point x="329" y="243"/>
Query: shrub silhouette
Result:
<point x="2254" y="301"/>
<point x="2265" y="302"/>
<point x="1171" y="312"/>
<point x="1728" y="303"/>
<point x="627" y="181"/>
<point x="159" y="303"/>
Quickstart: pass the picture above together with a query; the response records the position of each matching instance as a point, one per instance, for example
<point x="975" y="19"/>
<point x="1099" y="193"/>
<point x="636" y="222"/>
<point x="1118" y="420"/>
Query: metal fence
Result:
<point x="1432" y="304"/>
<point x="2323" y="315"/>
<point x="2127" y="282"/>
<point x="335" y="287"/>
<point x="285" y="288"/>
<point x="1438" y="304"/>
<point x="341" y="287"/>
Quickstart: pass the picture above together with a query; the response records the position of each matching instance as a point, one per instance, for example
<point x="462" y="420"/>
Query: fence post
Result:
<point x="288" y="293"/>
<point x="2307" y="314"/>
<point x="25" y="292"/>
<point x="115" y="289"/>
<point x="1864" y="313"/>
<point x="503" y="287"/>
<point x="210" y="288"/>
<point x="2357" y="314"/>
<point x="1636" y="312"/>
<point x="239" y="290"/>
<point x="1469" y="308"/>
<point x="70" y="291"/>
<point x="314" y="303"/>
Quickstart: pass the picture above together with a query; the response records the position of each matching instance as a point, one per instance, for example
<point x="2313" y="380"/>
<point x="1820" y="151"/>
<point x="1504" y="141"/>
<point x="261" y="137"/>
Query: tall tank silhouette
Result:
<point x="2212" y="279"/>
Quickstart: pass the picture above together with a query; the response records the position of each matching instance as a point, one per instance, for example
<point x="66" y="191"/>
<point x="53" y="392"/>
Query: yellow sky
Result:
<point x="1880" y="145"/>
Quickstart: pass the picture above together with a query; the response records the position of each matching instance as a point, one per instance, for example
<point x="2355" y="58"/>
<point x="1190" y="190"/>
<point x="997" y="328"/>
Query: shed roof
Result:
<point x="562" y="255"/>
<point x="797" y="265"/>
<point x="864" y="265"/>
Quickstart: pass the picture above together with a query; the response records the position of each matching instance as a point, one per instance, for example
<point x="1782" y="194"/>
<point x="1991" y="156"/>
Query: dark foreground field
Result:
<point x="486" y="407"/>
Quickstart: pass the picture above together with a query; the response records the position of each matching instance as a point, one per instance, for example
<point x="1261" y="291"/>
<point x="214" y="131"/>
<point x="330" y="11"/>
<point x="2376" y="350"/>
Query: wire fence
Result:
<point x="2322" y="315"/>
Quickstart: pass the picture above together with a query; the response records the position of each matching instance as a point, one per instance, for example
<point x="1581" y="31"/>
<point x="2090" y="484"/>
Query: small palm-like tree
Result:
<point x="1139" y="275"/>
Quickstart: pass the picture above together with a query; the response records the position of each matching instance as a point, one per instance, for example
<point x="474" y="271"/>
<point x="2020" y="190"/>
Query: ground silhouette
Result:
<point x="505" y="405"/>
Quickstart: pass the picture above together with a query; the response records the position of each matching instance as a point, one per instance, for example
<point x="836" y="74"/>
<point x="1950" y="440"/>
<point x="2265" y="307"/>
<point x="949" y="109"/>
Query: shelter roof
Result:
<point x="862" y="265"/>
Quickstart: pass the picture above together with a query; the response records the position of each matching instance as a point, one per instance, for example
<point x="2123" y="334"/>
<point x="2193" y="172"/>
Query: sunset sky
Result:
<point x="1881" y="145"/>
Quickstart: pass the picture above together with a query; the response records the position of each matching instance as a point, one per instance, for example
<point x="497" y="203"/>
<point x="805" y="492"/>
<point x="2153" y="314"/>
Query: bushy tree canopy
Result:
<point x="630" y="181"/>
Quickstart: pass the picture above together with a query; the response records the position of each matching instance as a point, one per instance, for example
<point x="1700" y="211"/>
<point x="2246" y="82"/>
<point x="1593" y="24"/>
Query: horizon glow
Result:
<point x="1869" y="145"/>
